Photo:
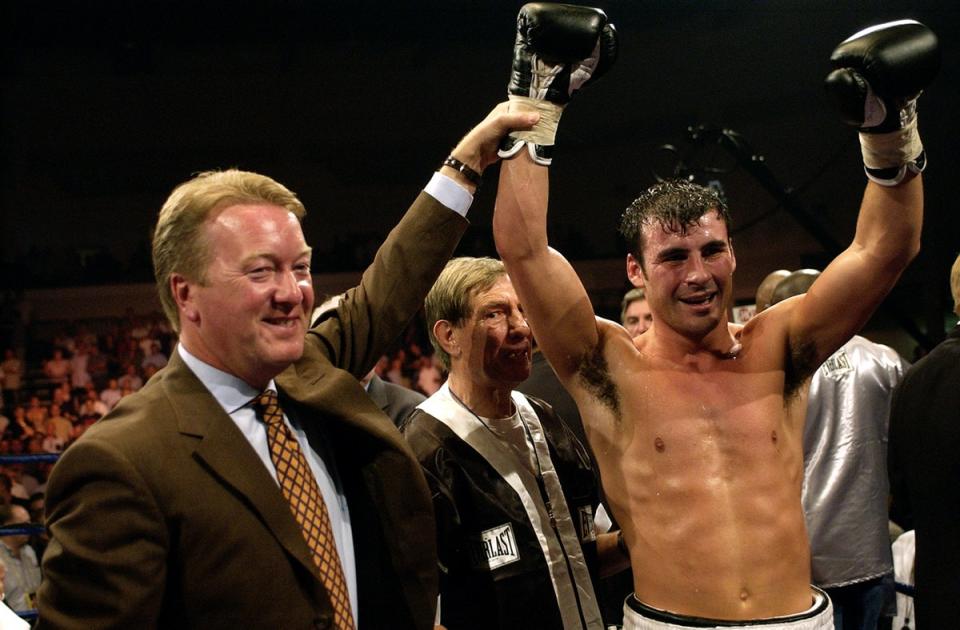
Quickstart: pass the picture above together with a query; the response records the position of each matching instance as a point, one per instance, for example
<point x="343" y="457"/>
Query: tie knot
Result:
<point x="268" y="407"/>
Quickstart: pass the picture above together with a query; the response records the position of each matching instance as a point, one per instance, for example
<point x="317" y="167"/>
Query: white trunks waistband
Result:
<point x="639" y="616"/>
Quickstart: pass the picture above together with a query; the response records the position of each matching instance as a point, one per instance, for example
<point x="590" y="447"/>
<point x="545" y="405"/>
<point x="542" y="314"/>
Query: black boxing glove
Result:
<point x="559" y="49"/>
<point x="880" y="72"/>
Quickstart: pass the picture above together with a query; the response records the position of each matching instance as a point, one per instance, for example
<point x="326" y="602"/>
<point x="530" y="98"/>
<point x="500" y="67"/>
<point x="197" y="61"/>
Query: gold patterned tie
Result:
<point x="302" y="492"/>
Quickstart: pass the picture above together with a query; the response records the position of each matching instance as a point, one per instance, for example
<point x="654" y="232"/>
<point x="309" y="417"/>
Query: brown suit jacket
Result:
<point x="163" y="516"/>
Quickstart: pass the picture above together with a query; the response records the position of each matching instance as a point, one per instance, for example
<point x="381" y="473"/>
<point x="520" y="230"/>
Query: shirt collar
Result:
<point x="230" y="391"/>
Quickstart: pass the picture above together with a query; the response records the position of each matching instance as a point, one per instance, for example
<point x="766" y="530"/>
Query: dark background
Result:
<point x="106" y="106"/>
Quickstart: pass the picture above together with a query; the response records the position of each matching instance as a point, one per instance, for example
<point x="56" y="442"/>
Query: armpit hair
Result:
<point x="594" y="374"/>
<point x="802" y="365"/>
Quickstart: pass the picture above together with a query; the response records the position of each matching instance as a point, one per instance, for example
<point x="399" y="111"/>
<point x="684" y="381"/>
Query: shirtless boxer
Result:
<point x="699" y="454"/>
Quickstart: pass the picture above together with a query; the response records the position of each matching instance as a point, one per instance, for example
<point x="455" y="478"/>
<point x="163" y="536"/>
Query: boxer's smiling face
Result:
<point x="689" y="276"/>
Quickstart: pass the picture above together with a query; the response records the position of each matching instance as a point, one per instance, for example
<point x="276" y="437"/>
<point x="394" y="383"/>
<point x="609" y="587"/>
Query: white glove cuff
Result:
<point x="538" y="153"/>
<point x="893" y="149"/>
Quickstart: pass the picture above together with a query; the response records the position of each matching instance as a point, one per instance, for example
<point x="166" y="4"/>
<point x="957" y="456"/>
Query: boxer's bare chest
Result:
<point x="722" y="410"/>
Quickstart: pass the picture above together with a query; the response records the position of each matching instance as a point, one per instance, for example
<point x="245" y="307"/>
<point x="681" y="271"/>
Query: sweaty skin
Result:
<point x="694" y="423"/>
<point x="702" y="465"/>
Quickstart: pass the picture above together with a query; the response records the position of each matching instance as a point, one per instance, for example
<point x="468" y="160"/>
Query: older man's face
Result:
<point x="496" y="339"/>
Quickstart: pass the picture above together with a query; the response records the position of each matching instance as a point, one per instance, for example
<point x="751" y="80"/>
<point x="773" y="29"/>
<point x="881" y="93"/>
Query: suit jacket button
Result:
<point x="323" y="621"/>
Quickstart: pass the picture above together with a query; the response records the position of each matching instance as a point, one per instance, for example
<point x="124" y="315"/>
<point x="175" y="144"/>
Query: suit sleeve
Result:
<point x="101" y="572"/>
<point x="372" y="315"/>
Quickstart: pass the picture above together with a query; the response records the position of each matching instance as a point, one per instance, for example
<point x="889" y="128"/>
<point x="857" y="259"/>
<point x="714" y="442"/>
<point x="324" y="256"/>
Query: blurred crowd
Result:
<point x="76" y="371"/>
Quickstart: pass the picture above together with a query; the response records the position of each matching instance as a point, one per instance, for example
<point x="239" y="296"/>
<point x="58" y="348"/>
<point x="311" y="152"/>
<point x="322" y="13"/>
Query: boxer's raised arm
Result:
<point x="879" y="74"/>
<point x="559" y="49"/>
<point x="551" y="294"/>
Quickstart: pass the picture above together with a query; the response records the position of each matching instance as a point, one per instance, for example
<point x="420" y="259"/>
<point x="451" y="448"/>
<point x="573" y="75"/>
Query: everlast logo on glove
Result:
<point x="496" y="547"/>
<point x="560" y="48"/>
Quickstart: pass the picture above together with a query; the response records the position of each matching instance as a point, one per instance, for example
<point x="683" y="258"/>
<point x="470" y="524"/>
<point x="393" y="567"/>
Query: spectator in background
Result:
<point x="92" y="396"/>
<point x="429" y="377"/>
<point x="51" y="442"/>
<point x="414" y="354"/>
<point x="91" y="407"/>
<point x="164" y="331"/>
<point x="148" y="372"/>
<point x="64" y="343"/>
<point x="155" y="358"/>
<point x="764" y="296"/>
<point x="32" y="477"/>
<point x="137" y="329"/>
<point x="23" y="569"/>
<point x="40" y="539"/>
<point x="924" y="471"/>
<point x="59" y="426"/>
<point x="84" y="336"/>
<point x="127" y="349"/>
<point x="6" y="498"/>
<point x="79" y="376"/>
<point x="145" y="345"/>
<point x="21" y="428"/>
<point x="395" y="372"/>
<point x="81" y="427"/>
<point x="62" y="395"/>
<point x="131" y="378"/>
<point x="34" y="445"/>
<point x="109" y="350"/>
<point x="18" y="492"/>
<point x="57" y="369"/>
<point x="635" y="313"/>
<point x="112" y="394"/>
<point x="9" y="620"/>
<point x="37" y="415"/>
<point x="97" y="366"/>
<point x="12" y="369"/>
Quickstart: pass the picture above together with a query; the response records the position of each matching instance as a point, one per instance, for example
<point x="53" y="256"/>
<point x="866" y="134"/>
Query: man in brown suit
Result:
<point x="169" y="513"/>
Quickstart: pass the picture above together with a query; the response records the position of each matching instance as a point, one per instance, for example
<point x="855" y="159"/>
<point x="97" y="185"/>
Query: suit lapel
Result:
<point x="370" y="451"/>
<point x="337" y="396"/>
<point x="219" y="444"/>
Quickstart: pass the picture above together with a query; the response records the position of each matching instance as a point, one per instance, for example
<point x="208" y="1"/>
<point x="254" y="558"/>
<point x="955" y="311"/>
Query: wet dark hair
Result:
<point x="676" y="205"/>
